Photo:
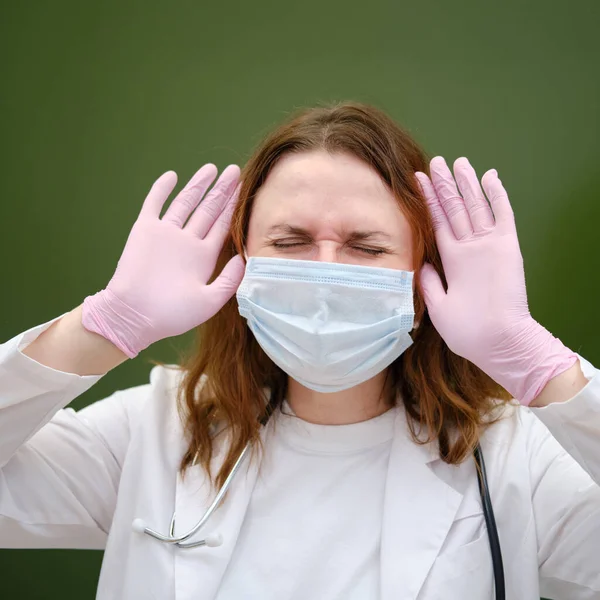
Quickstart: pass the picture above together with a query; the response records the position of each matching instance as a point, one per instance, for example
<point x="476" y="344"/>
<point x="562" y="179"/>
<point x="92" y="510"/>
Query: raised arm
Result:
<point x="60" y="469"/>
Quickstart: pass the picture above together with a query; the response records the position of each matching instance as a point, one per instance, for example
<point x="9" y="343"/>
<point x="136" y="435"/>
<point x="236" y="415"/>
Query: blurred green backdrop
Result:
<point x="99" y="99"/>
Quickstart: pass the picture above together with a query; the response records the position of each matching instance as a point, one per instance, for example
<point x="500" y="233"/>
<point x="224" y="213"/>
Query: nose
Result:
<point x="327" y="252"/>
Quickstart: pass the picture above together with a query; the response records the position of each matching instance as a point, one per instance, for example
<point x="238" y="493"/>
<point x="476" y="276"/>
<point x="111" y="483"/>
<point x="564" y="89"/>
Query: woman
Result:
<point x="381" y="322"/>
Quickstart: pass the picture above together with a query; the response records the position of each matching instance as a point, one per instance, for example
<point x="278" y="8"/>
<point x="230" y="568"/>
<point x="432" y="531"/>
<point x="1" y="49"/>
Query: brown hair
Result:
<point x="446" y="397"/>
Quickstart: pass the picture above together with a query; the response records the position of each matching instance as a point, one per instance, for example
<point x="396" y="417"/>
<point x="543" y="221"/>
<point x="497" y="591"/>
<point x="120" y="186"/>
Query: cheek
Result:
<point x="400" y="262"/>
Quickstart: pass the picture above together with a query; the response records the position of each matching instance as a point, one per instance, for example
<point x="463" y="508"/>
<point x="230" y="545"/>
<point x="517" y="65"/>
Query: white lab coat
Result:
<point x="78" y="480"/>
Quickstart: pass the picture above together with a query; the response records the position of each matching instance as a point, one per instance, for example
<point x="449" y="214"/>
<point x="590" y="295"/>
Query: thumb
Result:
<point x="227" y="283"/>
<point x="433" y="290"/>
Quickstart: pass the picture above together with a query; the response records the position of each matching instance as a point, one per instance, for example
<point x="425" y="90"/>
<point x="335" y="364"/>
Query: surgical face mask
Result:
<point x="329" y="326"/>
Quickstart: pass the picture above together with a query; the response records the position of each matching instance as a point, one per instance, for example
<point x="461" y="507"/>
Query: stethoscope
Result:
<point x="139" y="525"/>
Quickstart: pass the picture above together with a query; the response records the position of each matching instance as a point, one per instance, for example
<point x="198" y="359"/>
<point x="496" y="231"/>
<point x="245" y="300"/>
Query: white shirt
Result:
<point x="78" y="479"/>
<point x="313" y="524"/>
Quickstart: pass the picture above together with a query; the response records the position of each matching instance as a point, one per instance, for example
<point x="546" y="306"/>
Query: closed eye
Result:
<point x="363" y="249"/>
<point x="371" y="251"/>
<point x="288" y="245"/>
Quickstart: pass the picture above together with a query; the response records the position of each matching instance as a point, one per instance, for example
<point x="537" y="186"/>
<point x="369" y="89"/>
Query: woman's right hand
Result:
<point x="159" y="288"/>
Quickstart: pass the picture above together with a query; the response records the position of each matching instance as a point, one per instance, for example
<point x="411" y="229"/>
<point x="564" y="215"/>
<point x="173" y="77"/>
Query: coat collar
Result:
<point x="414" y="522"/>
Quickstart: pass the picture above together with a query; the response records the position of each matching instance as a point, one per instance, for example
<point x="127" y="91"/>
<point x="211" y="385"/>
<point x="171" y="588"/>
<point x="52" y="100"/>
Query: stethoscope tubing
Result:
<point x="490" y="523"/>
<point x="178" y="540"/>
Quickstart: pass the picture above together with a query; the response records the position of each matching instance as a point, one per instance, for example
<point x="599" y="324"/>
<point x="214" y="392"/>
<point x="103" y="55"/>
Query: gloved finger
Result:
<point x="450" y="198"/>
<point x="220" y="229"/>
<point x="480" y="213"/>
<point x="503" y="212"/>
<point x="159" y="192"/>
<point x="189" y="197"/>
<point x="433" y="289"/>
<point x="216" y="200"/>
<point x="225" y="285"/>
<point x="441" y="226"/>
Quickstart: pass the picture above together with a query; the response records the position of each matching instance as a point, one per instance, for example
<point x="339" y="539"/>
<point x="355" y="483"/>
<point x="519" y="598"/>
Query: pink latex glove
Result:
<point x="484" y="316"/>
<point x="159" y="287"/>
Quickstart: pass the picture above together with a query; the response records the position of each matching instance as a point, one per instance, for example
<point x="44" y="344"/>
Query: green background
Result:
<point x="99" y="99"/>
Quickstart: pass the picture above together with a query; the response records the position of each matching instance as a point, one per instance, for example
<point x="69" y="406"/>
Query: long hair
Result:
<point x="446" y="397"/>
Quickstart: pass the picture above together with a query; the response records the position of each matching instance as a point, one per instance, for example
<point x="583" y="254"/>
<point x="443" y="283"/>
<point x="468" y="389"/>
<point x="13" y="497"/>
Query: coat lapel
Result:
<point x="198" y="571"/>
<point x="419" y="509"/>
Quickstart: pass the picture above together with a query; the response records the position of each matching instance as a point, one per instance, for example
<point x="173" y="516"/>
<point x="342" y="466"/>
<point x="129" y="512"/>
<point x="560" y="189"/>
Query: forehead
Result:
<point x="316" y="186"/>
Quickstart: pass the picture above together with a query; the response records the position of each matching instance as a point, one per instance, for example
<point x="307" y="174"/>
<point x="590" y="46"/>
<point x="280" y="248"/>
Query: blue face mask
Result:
<point x="329" y="326"/>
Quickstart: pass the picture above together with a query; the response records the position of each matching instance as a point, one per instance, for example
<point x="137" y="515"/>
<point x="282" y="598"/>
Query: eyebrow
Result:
<point x="356" y="235"/>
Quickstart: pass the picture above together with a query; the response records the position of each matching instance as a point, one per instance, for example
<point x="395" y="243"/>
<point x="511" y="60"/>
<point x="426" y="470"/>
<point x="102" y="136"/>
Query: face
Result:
<point x="329" y="207"/>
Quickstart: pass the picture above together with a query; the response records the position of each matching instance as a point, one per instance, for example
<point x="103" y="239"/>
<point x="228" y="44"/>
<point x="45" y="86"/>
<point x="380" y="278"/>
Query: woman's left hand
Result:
<point x="484" y="315"/>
